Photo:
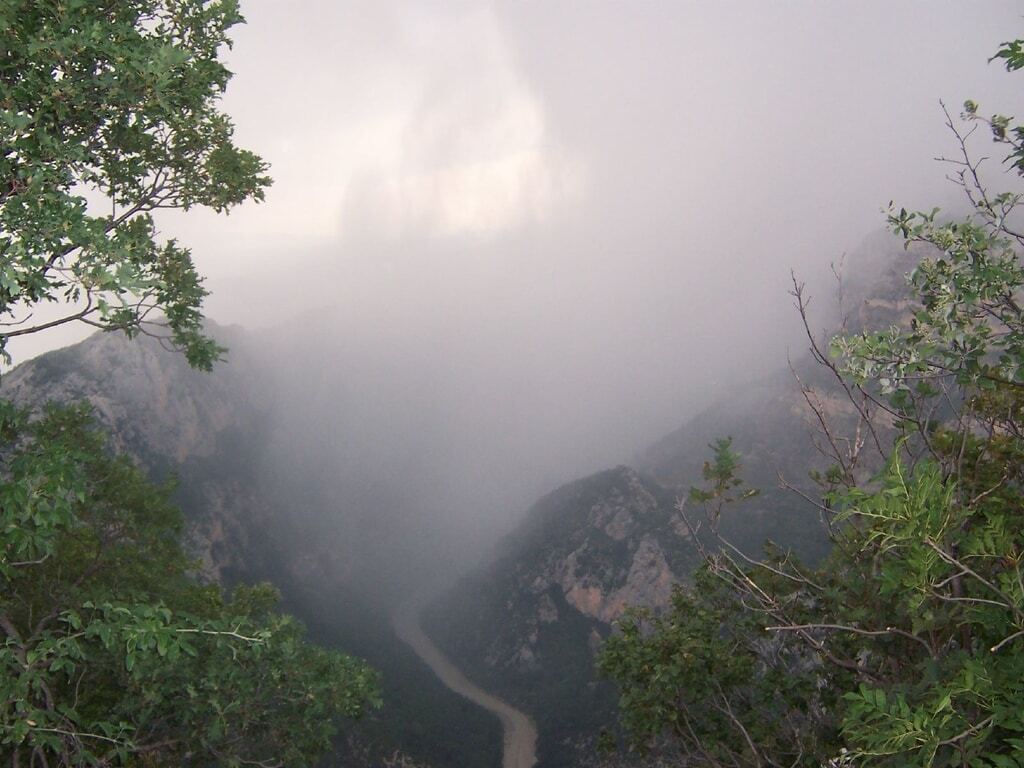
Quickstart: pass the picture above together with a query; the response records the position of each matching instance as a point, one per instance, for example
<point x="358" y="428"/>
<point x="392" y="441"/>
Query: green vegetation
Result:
<point x="905" y="647"/>
<point x="108" y="112"/>
<point x="110" y="653"/>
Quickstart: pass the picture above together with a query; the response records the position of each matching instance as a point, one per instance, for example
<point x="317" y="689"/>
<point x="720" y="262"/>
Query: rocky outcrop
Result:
<point x="151" y="402"/>
<point x="648" y="582"/>
<point x="616" y="557"/>
<point x="530" y="625"/>
<point x="619" y="542"/>
<point x="172" y="420"/>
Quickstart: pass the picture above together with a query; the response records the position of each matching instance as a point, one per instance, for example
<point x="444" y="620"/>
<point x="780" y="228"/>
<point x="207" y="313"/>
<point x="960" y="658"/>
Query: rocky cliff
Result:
<point x="171" y="420"/>
<point x="530" y="623"/>
<point x="591" y="548"/>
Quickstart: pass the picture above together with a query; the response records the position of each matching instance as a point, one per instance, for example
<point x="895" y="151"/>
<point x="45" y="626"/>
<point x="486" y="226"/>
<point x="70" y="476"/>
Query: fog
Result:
<point x="512" y="243"/>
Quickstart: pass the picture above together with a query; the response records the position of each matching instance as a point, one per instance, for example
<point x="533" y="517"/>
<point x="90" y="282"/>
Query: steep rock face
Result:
<point x="530" y="624"/>
<point x="185" y="411"/>
<point x="590" y="548"/>
<point x="170" y="419"/>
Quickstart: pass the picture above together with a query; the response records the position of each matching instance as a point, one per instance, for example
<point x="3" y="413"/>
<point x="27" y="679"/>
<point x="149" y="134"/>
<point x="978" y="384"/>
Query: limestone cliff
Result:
<point x="531" y="623"/>
<point x="172" y="420"/>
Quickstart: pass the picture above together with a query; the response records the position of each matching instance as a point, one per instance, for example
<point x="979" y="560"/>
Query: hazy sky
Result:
<point x="586" y="211"/>
<point x="657" y="165"/>
<point x="610" y="195"/>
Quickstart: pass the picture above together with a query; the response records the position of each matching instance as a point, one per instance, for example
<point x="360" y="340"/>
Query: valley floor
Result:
<point x="520" y="733"/>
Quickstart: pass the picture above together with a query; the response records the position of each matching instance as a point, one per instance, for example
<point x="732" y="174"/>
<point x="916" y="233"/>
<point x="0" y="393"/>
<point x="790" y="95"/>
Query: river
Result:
<point x="520" y="734"/>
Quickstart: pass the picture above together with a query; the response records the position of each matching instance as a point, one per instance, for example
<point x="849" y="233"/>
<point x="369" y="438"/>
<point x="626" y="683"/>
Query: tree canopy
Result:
<point x="113" y="651"/>
<point x="109" y="112"/>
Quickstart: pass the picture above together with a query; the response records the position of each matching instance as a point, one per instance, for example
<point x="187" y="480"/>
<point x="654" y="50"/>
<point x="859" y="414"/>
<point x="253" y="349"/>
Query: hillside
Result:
<point x="530" y="621"/>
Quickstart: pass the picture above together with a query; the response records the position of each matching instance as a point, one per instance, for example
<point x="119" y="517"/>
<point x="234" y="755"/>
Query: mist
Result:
<point x="512" y="244"/>
<point x="509" y="244"/>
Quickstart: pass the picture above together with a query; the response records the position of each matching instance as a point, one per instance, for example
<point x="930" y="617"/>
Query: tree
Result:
<point x="911" y="633"/>
<point x="706" y="679"/>
<point x="109" y="112"/>
<point x="110" y="653"/>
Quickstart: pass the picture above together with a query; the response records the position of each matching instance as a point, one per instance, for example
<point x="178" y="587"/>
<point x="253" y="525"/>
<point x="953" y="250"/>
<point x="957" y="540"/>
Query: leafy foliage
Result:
<point x="906" y="646"/>
<point x="108" y="112"/>
<point x="720" y="474"/>
<point x="111" y="650"/>
<point x="707" y="667"/>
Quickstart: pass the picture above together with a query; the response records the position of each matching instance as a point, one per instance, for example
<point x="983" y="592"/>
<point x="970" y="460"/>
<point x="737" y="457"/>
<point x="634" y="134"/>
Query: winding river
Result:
<point x="520" y="734"/>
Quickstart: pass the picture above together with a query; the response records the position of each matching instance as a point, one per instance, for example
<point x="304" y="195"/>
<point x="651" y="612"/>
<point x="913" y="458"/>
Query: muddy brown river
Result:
<point x="520" y="734"/>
